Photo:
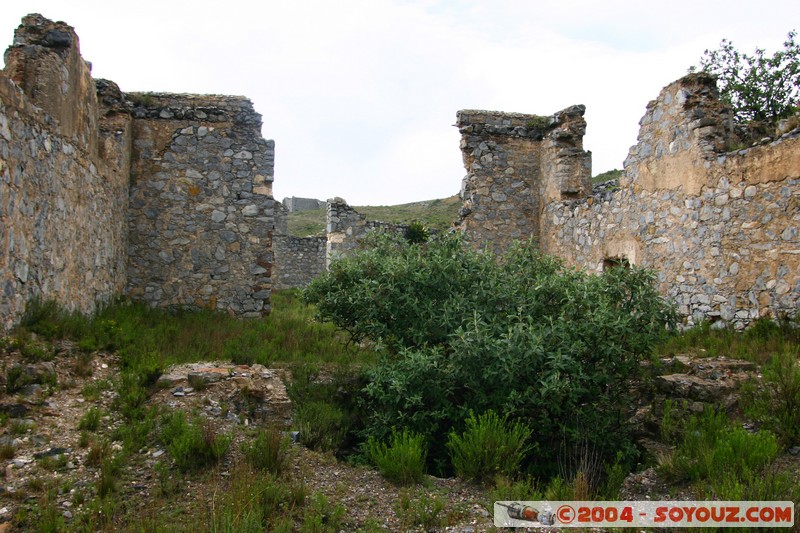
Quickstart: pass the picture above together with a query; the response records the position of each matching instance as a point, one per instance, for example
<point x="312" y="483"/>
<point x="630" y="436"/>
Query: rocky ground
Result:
<point x="47" y="443"/>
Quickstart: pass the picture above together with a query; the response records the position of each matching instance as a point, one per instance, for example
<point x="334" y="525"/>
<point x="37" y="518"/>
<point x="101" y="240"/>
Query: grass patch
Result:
<point x="606" y="176"/>
<point x="713" y="453"/>
<point x="760" y="342"/>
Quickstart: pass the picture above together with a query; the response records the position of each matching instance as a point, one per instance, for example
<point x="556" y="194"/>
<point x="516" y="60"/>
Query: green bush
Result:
<point x="520" y="334"/>
<point x="488" y="447"/>
<point x="402" y="461"/>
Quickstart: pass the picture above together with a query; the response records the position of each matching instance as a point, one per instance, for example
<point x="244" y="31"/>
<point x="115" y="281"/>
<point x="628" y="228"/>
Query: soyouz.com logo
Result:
<point x="663" y="514"/>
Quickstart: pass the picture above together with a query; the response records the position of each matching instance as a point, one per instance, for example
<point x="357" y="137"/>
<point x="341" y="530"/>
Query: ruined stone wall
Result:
<point x="201" y="206"/>
<point x="298" y="260"/>
<point x="507" y="157"/>
<point x="165" y="197"/>
<point x="346" y="229"/>
<point x="720" y="228"/>
<point x="294" y="204"/>
<point x="63" y="181"/>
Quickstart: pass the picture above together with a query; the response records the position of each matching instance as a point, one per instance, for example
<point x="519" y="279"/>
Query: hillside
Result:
<point x="436" y="214"/>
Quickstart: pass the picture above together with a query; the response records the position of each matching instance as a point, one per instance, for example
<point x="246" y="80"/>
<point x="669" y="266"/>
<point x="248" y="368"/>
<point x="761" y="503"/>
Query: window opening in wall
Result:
<point x="615" y="262"/>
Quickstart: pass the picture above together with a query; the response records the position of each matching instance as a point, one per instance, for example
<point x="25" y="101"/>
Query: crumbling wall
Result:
<point x="346" y="229"/>
<point x="63" y="179"/>
<point x="720" y="228"/>
<point x="515" y="163"/>
<point x="201" y="206"/>
<point x="167" y="197"/>
<point x="294" y="204"/>
<point x="298" y="260"/>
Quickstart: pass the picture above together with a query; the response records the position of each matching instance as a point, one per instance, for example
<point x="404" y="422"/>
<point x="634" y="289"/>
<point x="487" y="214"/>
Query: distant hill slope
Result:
<point x="437" y="214"/>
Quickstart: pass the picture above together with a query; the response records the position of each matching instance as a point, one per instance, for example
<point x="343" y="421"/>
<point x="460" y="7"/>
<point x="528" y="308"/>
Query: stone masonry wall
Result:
<point x="298" y="260"/>
<point x="507" y="156"/>
<point x="346" y="228"/>
<point x="293" y="204"/>
<point x="720" y="228"/>
<point x="201" y="206"/>
<point x="63" y="184"/>
<point x="167" y="197"/>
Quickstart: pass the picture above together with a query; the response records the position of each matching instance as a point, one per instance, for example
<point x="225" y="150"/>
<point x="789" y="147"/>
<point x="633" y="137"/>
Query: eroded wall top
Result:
<point x="514" y="163"/>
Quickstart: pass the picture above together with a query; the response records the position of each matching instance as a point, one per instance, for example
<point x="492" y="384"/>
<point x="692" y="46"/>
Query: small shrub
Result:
<point x="16" y="379"/>
<point x="505" y="489"/>
<point x="322" y="516"/>
<point x="417" y="233"/>
<point x="711" y="450"/>
<point x="98" y="452"/>
<point x="489" y="446"/>
<point x="110" y="467"/>
<point x="402" y="461"/>
<point x="322" y="426"/>
<point x="268" y="451"/>
<point x="49" y="518"/>
<point x="7" y="451"/>
<point x="776" y="404"/>
<point x="92" y="391"/>
<point x="167" y="483"/>
<point x="192" y="445"/>
<point x="83" y="365"/>
<point x="90" y="421"/>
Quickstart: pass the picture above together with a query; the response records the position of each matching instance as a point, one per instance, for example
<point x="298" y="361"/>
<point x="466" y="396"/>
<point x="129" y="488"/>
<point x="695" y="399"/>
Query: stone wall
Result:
<point x="167" y="197"/>
<point x="298" y="260"/>
<point x="63" y="181"/>
<point x="201" y="206"/>
<point x="294" y="204"/>
<point x="720" y="228"/>
<point x="346" y="229"/>
<point x="515" y="163"/>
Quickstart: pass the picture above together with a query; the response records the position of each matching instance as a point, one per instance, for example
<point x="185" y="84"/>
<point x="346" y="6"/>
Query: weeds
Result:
<point x="192" y="444"/>
<point x="421" y="509"/>
<point x="90" y="421"/>
<point x="92" y="391"/>
<point x="322" y="516"/>
<point x="758" y="343"/>
<point x="505" y="489"/>
<point x="489" y="446"/>
<point x="776" y="403"/>
<point x="712" y="452"/>
<point x="268" y="451"/>
<point x="402" y="461"/>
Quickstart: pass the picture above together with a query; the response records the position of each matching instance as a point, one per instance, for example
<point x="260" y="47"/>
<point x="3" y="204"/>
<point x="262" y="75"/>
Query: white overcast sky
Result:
<point x="360" y="95"/>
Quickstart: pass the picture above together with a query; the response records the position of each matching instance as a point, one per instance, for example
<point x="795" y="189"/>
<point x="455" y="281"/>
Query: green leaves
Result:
<point x="520" y="334"/>
<point x="758" y="87"/>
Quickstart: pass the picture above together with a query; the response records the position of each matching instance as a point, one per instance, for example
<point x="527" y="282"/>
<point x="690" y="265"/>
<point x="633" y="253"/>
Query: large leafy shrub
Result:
<point x="520" y="334"/>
